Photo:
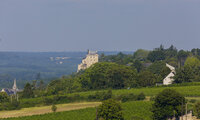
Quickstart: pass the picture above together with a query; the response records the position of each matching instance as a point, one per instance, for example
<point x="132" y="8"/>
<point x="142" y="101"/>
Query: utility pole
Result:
<point x="174" y="113"/>
<point x="186" y="111"/>
<point x="17" y="98"/>
<point x="11" y="98"/>
<point x="97" y="114"/>
<point x="182" y="110"/>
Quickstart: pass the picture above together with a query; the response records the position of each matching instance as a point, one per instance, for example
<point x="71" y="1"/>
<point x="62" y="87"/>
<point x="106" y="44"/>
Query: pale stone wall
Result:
<point x="91" y="58"/>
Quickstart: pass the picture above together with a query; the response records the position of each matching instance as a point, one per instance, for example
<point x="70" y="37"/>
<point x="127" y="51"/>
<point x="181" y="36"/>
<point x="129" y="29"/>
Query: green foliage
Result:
<point x="107" y="75"/>
<point x="140" y="54"/>
<point x="120" y="58"/>
<point x="146" y="78"/>
<point x="66" y="84"/>
<point x="196" y="51"/>
<point x="28" y="91"/>
<point x="182" y="56"/>
<point x="161" y="54"/>
<point x="192" y="62"/>
<point x="14" y="104"/>
<point x="197" y="109"/>
<point x="159" y="68"/>
<point x="101" y="95"/>
<point x="53" y="108"/>
<point x="167" y="103"/>
<point x="156" y="56"/>
<point x="184" y="75"/>
<point x="138" y="65"/>
<point x="127" y="97"/>
<point x="110" y="110"/>
<point x="190" y="72"/>
<point x="3" y="97"/>
<point x="192" y="101"/>
<point x="141" y="96"/>
<point x="11" y="105"/>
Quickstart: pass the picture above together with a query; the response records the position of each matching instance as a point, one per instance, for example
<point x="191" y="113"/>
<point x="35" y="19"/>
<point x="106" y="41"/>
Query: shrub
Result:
<point x="101" y="95"/>
<point x="3" y="97"/>
<point x="127" y="97"/>
<point x="48" y="101"/>
<point x="152" y="98"/>
<point x="53" y="108"/>
<point x="110" y="110"/>
<point x="166" y="104"/>
<point x="141" y="96"/>
<point x="192" y="101"/>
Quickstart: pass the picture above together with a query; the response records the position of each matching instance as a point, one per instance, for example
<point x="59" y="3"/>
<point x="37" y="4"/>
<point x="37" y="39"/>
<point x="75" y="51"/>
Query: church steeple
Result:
<point x="15" y="87"/>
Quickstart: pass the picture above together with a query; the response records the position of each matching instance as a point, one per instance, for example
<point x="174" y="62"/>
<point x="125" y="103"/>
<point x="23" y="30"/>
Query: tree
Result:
<point x="53" y="108"/>
<point x="192" y="62"/>
<point x="3" y="97"/>
<point x="182" y="55"/>
<point x="138" y="65"/>
<point x="41" y="85"/>
<point x="190" y="72"/>
<point x="168" y="103"/>
<point x="110" y="110"/>
<point x="146" y="78"/>
<point x="196" y="51"/>
<point x="183" y="75"/>
<point x="156" y="55"/>
<point x="107" y="75"/>
<point x="141" y="96"/>
<point x="140" y="54"/>
<point x="171" y="51"/>
<point x="34" y="84"/>
<point x="28" y="91"/>
<point x="197" y="109"/>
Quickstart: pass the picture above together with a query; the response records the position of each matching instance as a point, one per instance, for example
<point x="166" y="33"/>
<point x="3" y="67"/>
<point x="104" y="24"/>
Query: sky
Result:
<point x="108" y="25"/>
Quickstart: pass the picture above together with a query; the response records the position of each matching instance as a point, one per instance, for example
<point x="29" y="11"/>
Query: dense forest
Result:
<point x="143" y="68"/>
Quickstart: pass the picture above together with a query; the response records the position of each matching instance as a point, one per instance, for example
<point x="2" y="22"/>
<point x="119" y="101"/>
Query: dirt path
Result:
<point x="46" y="109"/>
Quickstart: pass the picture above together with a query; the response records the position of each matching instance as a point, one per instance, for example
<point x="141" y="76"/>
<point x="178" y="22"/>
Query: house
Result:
<point x="169" y="79"/>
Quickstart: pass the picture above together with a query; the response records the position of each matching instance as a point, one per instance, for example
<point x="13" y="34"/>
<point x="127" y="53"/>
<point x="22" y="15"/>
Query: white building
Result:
<point x="91" y="58"/>
<point x="169" y="79"/>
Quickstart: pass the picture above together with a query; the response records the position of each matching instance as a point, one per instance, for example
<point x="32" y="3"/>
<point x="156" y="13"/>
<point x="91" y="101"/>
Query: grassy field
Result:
<point x="137" y="110"/>
<point x="187" y="91"/>
<point x="47" y="109"/>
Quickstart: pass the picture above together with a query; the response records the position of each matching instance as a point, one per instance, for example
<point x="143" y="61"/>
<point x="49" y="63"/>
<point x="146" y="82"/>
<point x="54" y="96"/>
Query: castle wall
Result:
<point x="91" y="58"/>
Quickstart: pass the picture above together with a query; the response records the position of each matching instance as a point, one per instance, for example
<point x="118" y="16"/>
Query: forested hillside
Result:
<point x="28" y="66"/>
<point x="144" y="68"/>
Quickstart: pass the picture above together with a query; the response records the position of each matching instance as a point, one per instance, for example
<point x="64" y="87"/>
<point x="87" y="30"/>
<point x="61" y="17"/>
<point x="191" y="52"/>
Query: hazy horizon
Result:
<point x="105" y="25"/>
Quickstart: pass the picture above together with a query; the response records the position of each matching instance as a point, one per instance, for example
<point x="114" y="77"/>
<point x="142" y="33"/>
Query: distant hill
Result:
<point x="24" y="66"/>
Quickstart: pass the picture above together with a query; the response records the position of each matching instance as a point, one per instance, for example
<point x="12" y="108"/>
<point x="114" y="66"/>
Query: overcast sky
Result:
<point x="78" y="25"/>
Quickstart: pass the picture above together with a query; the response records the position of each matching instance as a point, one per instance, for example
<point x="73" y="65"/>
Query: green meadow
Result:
<point x="134" y="110"/>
